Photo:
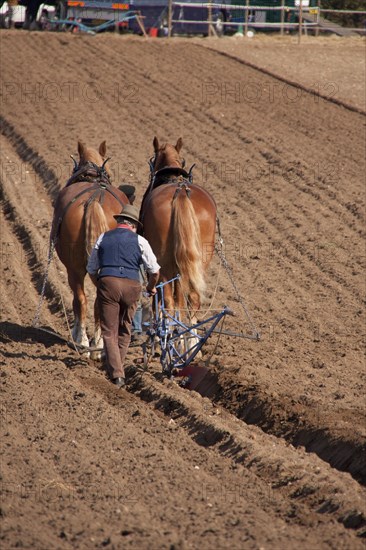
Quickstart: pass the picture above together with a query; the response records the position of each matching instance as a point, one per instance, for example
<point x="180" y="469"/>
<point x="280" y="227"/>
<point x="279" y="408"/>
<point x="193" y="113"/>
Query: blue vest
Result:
<point x="119" y="254"/>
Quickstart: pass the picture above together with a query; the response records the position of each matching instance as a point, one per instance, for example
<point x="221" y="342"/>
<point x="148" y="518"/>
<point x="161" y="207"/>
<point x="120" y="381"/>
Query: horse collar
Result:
<point x="90" y="172"/>
<point x="168" y="170"/>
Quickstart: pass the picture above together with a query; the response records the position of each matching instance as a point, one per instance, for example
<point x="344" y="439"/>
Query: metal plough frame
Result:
<point x="179" y="343"/>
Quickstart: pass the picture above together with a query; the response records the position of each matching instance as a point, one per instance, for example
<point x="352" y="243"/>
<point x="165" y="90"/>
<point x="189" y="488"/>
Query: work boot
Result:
<point x="119" y="382"/>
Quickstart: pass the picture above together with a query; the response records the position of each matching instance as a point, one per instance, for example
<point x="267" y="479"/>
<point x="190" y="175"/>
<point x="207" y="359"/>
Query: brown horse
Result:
<point x="179" y="221"/>
<point x="84" y="209"/>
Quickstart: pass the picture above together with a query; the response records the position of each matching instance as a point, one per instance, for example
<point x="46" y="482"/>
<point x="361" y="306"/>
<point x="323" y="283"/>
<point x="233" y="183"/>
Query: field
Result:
<point x="271" y="452"/>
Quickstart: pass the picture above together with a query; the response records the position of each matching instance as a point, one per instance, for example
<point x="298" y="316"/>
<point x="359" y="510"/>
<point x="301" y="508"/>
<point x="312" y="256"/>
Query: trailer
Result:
<point x="94" y="12"/>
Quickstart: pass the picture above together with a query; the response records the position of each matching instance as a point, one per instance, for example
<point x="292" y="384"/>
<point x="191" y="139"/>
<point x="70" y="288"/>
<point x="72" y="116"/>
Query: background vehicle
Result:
<point x="155" y="14"/>
<point x="34" y="14"/>
<point x="93" y="12"/>
<point x="262" y="15"/>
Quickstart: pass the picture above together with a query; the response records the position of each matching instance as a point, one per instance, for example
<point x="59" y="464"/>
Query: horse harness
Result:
<point x="100" y="180"/>
<point x="89" y="172"/>
<point x="167" y="174"/>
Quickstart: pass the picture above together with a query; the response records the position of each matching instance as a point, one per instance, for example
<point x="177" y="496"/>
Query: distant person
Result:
<point x="12" y="4"/>
<point x="32" y="7"/>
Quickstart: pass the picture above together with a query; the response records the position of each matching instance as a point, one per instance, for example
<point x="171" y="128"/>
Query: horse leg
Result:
<point x="97" y="341"/>
<point x="169" y="302"/>
<point x="76" y="282"/>
<point x="194" y="305"/>
<point x="186" y="340"/>
<point x="168" y="306"/>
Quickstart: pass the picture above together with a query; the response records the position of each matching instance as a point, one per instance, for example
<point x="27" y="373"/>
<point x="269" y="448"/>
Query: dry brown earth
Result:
<point x="331" y="66"/>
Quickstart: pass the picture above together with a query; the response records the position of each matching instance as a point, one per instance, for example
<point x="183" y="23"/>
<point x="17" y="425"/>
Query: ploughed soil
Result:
<point x="269" y="452"/>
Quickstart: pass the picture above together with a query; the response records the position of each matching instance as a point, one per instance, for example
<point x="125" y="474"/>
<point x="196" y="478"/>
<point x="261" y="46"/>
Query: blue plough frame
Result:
<point x="170" y="332"/>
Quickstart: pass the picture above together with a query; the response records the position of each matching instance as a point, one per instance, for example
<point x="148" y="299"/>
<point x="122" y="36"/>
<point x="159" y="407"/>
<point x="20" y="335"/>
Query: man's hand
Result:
<point x="151" y="292"/>
<point x="153" y="279"/>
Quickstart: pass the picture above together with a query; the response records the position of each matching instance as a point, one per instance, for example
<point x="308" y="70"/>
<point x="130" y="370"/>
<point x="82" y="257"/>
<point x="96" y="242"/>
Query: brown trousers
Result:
<point x="117" y="300"/>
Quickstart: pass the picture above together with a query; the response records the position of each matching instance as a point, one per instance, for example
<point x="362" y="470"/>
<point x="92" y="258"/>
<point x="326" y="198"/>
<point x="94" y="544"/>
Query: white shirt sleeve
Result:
<point x="93" y="262"/>
<point x="148" y="257"/>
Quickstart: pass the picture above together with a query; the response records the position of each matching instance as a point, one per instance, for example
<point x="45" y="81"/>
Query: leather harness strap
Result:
<point x="97" y="188"/>
<point x="167" y="174"/>
<point x="90" y="172"/>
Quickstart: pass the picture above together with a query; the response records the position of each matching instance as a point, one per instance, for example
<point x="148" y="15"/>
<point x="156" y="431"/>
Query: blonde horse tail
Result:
<point x="95" y="224"/>
<point x="187" y="245"/>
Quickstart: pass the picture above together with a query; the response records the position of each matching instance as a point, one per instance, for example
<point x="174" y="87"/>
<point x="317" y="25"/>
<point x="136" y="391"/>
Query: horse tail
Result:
<point x="187" y="244"/>
<point x="95" y="224"/>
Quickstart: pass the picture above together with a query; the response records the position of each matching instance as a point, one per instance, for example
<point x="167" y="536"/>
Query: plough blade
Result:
<point x="193" y="373"/>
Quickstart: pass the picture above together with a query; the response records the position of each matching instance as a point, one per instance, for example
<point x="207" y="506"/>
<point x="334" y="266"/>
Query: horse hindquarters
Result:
<point x="77" y="234"/>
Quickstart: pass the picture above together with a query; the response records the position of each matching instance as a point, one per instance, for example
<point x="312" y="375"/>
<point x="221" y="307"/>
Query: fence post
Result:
<point x="317" y="19"/>
<point x="282" y="16"/>
<point x="140" y="21"/>
<point x="300" y="21"/>
<point x="170" y="17"/>
<point x="209" y="30"/>
<point x="246" y="18"/>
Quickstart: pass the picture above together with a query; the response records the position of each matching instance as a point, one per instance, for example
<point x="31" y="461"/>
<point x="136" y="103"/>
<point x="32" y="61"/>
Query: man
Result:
<point x="115" y="261"/>
<point x="136" y="337"/>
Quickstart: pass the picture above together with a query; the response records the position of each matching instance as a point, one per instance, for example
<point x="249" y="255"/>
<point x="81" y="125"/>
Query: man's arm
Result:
<point x="150" y="264"/>
<point x="93" y="262"/>
<point x="153" y="279"/>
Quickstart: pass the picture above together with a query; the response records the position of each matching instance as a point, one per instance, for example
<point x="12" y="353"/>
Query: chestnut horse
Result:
<point x="179" y="221"/>
<point x="84" y="209"/>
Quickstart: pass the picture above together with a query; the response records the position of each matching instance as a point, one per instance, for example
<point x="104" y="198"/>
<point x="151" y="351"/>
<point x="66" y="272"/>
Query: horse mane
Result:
<point x="171" y="155"/>
<point x="91" y="155"/>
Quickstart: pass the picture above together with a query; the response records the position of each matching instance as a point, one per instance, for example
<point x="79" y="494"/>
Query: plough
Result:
<point x="179" y="343"/>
